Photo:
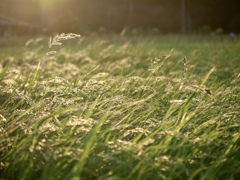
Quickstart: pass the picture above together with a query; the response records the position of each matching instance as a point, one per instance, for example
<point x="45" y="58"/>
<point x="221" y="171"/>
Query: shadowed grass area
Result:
<point x="110" y="107"/>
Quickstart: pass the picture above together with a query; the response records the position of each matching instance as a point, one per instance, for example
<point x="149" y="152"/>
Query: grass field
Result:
<point x="111" y="107"/>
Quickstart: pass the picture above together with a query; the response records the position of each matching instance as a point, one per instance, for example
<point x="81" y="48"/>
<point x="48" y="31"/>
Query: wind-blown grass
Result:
<point x="121" y="108"/>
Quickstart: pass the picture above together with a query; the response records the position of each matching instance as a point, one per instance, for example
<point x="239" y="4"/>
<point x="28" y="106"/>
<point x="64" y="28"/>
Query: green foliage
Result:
<point x="110" y="107"/>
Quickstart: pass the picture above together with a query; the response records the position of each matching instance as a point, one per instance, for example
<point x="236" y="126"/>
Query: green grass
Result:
<point x="110" y="107"/>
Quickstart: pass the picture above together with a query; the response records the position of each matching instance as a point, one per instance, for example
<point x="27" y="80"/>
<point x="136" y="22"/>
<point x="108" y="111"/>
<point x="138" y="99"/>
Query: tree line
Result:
<point x="114" y="15"/>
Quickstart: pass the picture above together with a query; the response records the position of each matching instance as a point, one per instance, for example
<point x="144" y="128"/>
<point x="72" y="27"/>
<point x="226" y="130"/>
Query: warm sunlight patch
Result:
<point x="52" y="11"/>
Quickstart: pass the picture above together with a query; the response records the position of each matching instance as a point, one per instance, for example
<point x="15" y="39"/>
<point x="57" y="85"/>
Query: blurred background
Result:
<point x="29" y="17"/>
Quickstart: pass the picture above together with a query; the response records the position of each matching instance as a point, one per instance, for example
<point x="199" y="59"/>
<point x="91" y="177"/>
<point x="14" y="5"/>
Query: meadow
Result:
<point x="112" y="107"/>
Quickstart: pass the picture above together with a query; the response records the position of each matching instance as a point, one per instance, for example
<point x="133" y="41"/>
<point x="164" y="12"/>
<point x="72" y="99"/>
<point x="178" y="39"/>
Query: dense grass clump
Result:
<point x="109" y="107"/>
